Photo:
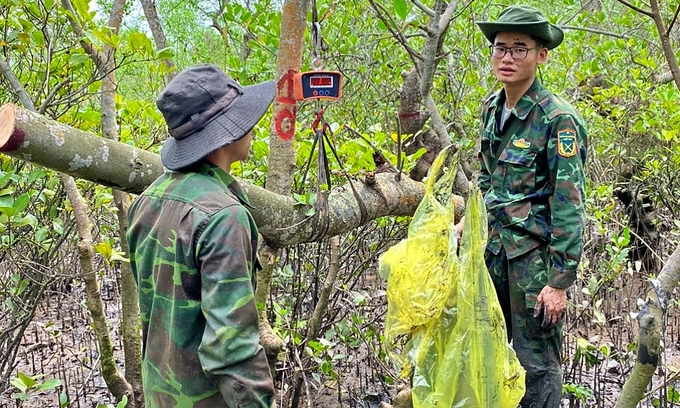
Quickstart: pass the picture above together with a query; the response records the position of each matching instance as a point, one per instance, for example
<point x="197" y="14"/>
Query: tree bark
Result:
<point x="38" y="139"/>
<point x="281" y="220"/>
<point x="282" y="156"/>
<point x="130" y="323"/>
<point x="651" y="320"/>
<point x="118" y="386"/>
<point x="666" y="45"/>
<point x="151" y="14"/>
<point x="288" y="61"/>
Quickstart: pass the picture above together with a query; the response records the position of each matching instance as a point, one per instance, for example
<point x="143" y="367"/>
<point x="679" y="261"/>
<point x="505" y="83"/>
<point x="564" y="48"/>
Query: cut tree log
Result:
<point x="281" y="220"/>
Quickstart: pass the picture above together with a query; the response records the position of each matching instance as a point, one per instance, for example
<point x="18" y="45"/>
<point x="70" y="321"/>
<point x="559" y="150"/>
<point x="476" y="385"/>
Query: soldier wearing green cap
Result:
<point x="533" y="152"/>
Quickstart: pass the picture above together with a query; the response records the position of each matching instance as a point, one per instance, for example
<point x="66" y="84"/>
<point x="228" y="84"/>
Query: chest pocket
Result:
<point x="519" y="170"/>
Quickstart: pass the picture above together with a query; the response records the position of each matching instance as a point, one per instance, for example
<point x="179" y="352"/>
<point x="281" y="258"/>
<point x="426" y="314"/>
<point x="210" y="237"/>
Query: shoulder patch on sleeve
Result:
<point x="566" y="143"/>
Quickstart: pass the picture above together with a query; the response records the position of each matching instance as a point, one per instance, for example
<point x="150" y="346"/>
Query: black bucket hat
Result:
<point x="205" y="109"/>
<point x="523" y="19"/>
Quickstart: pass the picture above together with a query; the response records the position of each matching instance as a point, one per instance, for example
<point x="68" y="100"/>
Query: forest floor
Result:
<point x="59" y="343"/>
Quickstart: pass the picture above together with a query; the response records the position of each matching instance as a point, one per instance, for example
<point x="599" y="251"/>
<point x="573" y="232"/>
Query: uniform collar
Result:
<point x="210" y="170"/>
<point x="525" y="103"/>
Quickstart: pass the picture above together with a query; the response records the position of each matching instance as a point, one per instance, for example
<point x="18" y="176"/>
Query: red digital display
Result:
<point x="321" y="82"/>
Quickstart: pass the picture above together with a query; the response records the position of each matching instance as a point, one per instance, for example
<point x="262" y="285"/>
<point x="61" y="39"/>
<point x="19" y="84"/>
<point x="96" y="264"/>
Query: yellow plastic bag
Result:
<point x="457" y="351"/>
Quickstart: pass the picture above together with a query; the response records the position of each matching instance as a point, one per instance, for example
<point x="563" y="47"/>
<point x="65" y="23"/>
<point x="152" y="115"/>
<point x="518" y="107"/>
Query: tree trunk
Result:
<point x="130" y="323"/>
<point x="118" y="386"/>
<point x="651" y="320"/>
<point x="417" y="89"/>
<point x="666" y="45"/>
<point x="288" y="61"/>
<point x="151" y="14"/>
<point x="38" y="139"/>
<point x="281" y="219"/>
<point x="282" y="156"/>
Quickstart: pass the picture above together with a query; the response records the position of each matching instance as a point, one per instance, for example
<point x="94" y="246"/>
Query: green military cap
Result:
<point x="523" y="19"/>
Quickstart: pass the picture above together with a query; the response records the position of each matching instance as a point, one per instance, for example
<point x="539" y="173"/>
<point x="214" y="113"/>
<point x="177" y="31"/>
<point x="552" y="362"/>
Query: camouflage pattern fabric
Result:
<point x="536" y="194"/>
<point x="517" y="282"/>
<point x="192" y="251"/>
<point x="535" y="199"/>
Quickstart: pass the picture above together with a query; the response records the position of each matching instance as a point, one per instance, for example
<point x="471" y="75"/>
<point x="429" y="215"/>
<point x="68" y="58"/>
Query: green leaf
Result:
<point x="58" y="226"/>
<point x="27" y="381"/>
<point x="6" y="200"/>
<point x="106" y="37"/>
<point x="48" y="385"/>
<point x="35" y="174"/>
<point x="401" y="8"/>
<point x="119" y="256"/>
<point x="10" y="305"/>
<point x="40" y="234"/>
<point x="165" y="53"/>
<point x="123" y="402"/>
<point x="18" y="383"/>
<point x="79" y="59"/>
<point x="21" y="202"/>
<point x="7" y="204"/>
<point x="22" y="396"/>
<point x="63" y="400"/>
<point x="82" y="8"/>
<point x="104" y="249"/>
<point x="27" y="220"/>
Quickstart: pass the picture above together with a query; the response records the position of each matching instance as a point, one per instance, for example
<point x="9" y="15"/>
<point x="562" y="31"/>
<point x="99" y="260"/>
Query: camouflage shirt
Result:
<point x="193" y="250"/>
<point x="536" y="193"/>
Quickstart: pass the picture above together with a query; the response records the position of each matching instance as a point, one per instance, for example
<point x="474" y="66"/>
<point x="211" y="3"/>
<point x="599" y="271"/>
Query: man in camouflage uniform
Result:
<point x="193" y="251"/>
<point x="533" y="153"/>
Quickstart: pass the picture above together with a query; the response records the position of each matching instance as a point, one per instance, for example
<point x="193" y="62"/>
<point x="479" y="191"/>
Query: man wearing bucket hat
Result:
<point x="533" y="152"/>
<point x="193" y="251"/>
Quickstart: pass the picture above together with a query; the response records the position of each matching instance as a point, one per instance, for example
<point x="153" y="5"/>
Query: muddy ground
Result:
<point x="59" y="343"/>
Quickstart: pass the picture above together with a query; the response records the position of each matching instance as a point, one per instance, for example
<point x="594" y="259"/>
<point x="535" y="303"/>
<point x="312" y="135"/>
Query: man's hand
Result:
<point x="459" y="228"/>
<point x="552" y="302"/>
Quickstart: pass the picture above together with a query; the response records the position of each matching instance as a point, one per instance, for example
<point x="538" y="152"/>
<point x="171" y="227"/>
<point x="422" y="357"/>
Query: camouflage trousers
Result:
<point x="518" y="282"/>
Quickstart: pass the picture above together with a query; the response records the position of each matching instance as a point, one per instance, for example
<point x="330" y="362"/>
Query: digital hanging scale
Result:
<point x="317" y="85"/>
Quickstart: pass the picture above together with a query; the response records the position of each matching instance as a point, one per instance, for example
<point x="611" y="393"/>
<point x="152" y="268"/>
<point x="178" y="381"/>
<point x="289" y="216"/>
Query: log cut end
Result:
<point x="10" y="138"/>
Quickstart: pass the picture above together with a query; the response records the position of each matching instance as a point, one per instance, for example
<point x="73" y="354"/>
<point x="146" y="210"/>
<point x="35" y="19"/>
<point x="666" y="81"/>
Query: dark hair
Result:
<point x="192" y="168"/>
<point x="539" y="41"/>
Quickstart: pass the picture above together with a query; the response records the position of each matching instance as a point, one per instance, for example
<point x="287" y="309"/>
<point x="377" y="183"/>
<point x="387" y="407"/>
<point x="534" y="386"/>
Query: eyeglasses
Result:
<point x="499" y="51"/>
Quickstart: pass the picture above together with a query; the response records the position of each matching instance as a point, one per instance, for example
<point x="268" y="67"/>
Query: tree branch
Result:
<point x="668" y="51"/>
<point x="281" y="220"/>
<point x="673" y="20"/>
<point x="151" y="14"/>
<point x="389" y="22"/>
<point x="651" y="320"/>
<point x="639" y="10"/>
<point x="437" y="27"/>
<point x="114" y="380"/>
<point x="6" y="71"/>
<point x="78" y="29"/>
<point x="423" y="8"/>
<point x="594" y="31"/>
